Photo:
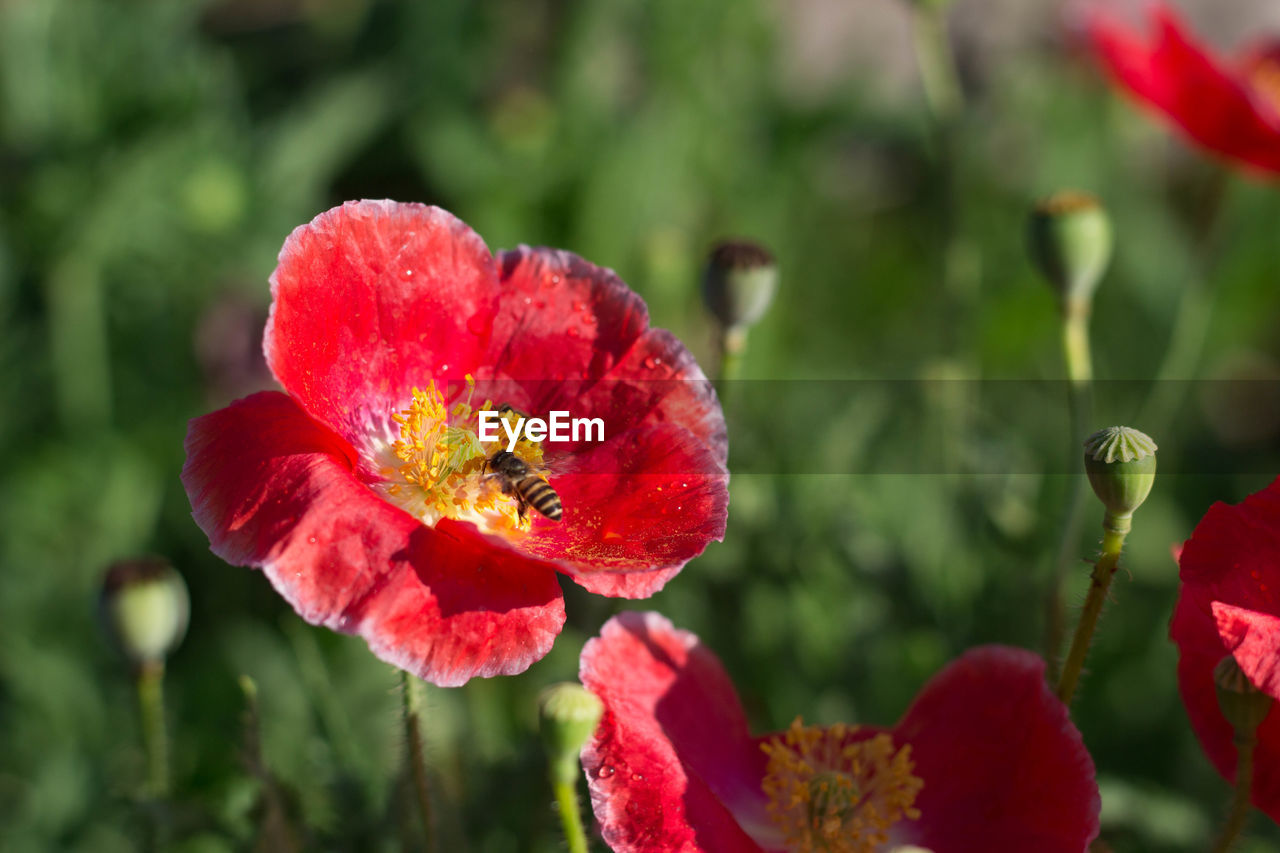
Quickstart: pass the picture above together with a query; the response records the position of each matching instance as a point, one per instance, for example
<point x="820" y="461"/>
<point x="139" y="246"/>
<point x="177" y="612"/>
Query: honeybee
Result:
<point x="519" y="480"/>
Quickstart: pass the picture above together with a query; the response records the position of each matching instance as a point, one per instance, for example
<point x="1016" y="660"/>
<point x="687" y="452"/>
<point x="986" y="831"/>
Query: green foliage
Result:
<point x="155" y="155"/>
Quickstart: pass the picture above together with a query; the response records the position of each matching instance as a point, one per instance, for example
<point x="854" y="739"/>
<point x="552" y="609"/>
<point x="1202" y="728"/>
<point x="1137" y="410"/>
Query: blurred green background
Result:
<point x="154" y="155"/>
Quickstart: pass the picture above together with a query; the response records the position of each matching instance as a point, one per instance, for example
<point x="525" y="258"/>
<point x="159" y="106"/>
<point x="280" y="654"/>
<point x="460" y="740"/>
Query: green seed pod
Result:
<point x="1121" y="464"/>
<point x="1243" y="704"/>
<point x="145" y="606"/>
<point x="739" y="282"/>
<point x="569" y="714"/>
<point x="1069" y="236"/>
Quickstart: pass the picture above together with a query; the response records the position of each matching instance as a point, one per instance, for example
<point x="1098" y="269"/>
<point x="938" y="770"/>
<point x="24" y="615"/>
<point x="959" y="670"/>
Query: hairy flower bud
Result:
<point x="739" y="282"/>
<point x="145" y="606"/>
<point x="1121" y="464"/>
<point x="569" y="714"/>
<point x="1243" y="704"/>
<point x="1069" y="236"/>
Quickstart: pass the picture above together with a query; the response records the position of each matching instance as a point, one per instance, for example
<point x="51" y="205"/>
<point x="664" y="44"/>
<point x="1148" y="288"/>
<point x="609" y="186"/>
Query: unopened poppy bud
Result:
<point x="1070" y="242"/>
<point x="1242" y="703"/>
<point x="1121" y="464"/>
<point x="145" y="606"/>
<point x="739" y="282"/>
<point x="569" y="715"/>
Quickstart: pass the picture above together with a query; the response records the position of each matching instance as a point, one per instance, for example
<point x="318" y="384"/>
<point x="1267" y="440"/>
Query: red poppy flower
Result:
<point x="1228" y="105"/>
<point x="1228" y="605"/>
<point x="985" y="759"/>
<point x="364" y="493"/>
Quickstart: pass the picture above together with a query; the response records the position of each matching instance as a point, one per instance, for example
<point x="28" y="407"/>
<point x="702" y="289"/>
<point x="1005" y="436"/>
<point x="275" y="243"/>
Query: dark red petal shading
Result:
<point x="1003" y="767"/>
<point x="561" y="318"/>
<point x="574" y="337"/>
<point x="273" y="488"/>
<point x="643" y="503"/>
<point x="373" y="298"/>
<point x="1227" y="604"/>
<point x="672" y="762"/>
<point x="1181" y="79"/>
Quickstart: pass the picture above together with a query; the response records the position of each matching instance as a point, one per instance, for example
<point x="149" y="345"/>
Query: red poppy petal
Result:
<point x="574" y="337"/>
<point x="1183" y="80"/>
<point x="1253" y="638"/>
<point x="561" y="318"/>
<point x="646" y="501"/>
<point x="1233" y="555"/>
<point x="658" y="381"/>
<point x="1195" y="630"/>
<point x="373" y="298"/>
<point x="672" y="762"/>
<point x="1003" y="767"/>
<point x="273" y="488"/>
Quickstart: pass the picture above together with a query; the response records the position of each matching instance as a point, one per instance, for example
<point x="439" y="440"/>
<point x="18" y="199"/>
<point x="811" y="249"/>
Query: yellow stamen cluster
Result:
<point x="439" y="462"/>
<point x="831" y="794"/>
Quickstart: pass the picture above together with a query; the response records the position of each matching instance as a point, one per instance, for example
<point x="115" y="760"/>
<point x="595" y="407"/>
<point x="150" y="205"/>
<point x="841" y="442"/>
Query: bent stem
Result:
<point x="1239" y="813"/>
<point x="575" y="837"/>
<point x="1115" y="529"/>
<point x="1079" y="364"/>
<point x="412" y="691"/>
<point x="151" y="709"/>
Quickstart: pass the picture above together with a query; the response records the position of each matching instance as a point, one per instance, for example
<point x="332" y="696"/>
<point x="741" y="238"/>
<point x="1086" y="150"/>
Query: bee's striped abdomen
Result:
<point x="538" y="493"/>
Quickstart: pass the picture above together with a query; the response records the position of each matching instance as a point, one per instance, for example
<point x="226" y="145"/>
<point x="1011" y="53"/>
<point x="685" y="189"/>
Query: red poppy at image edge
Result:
<point x="375" y="301"/>
<point x="991" y="757"/>
<point x="1228" y="604"/>
<point x="1230" y="106"/>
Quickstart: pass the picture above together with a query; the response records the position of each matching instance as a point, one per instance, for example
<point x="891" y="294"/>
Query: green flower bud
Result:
<point x="739" y="282"/>
<point x="1243" y="704"/>
<point x="1070" y="242"/>
<point x="569" y="715"/>
<point x="145" y="606"/>
<point x="1121" y="464"/>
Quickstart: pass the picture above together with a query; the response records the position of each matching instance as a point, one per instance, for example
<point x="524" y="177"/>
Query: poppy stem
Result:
<point x="1115" y="529"/>
<point x="151" y="708"/>
<point x="1239" y="813"/>
<point x="412" y="690"/>
<point x="1079" y="365"/>
<point x="733" y="346"/>
<point x="936" y="62"/>
<point x="575" y="837"/>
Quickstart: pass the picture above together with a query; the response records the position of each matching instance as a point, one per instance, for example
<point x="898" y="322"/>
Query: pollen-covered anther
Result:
<point x="831" y="792"/>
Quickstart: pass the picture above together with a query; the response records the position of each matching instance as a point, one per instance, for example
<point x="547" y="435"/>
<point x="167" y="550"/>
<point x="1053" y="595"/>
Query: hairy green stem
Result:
<point x="935" y="60"/>
<point x="1115" y="529"/>
<point x="1239" y="812"/>
<point x="575" y="836"/>
<point x="412" y="690"/>
<point x="151" y="707"/>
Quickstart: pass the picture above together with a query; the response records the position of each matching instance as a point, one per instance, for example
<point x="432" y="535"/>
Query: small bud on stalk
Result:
<point x="569" y="714"/>
<point x="1121" y="464"/>
<point x="145" y="606"/>
<point x="739" y="283"/>
<point x="1243" y="704"/>
<point x="1070" y="241"/>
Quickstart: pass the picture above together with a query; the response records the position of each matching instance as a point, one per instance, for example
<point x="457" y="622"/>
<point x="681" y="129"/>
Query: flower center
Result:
<point x="436" y="466"/>
<point x="829" y="793"/>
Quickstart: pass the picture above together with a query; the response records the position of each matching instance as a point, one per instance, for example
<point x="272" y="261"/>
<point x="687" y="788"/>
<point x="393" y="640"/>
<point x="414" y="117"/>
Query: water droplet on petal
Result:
<point x="605" y="771"/>
<point x="311" y="539"/>
<point x="479" y="325"/>
<point x="406" y="274"/>
<point x="650" y="362"/>
<point x="637" y="777"/>
<point x="528" y="300"/>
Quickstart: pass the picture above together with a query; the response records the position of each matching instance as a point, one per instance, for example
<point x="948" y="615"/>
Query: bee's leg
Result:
<point x="522" y="507"/>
